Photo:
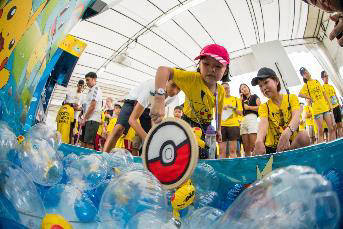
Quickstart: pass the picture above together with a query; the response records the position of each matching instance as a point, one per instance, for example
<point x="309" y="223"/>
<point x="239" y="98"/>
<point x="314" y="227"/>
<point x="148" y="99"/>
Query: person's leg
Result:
<point x="238" y="152"/>
<point x="312" y="135"/>
<point x="223" y="144"/>
<point x="319" y="121"/>
<point x="339" y="130"/>
<point x="330" y="123"/>
<point x="338" y="119"/>
<point x="91" y="129"/>
<point x="233" y="148"/>
<point x="252" y="140"/>
<point x="301" y="140"/>
<point x="112" y="139"/>
<point x="222" y="149"/>
<point x="246" y="145"/>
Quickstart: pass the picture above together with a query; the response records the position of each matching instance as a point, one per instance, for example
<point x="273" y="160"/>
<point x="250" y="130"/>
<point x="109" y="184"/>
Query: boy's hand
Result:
<point x="157" y="110"/>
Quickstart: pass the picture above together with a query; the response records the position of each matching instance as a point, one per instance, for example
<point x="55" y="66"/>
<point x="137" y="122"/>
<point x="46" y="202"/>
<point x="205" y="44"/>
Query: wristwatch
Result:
<point x="160" y="91"/>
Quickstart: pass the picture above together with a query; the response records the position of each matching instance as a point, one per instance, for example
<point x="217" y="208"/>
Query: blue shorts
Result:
<point x="317" y="116"/>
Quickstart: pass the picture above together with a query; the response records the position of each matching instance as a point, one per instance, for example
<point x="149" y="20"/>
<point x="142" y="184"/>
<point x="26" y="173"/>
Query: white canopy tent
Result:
<point x="143" y="31"/>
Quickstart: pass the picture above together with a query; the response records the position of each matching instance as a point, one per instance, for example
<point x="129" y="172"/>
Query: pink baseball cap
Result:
<point x="217" y="52"/>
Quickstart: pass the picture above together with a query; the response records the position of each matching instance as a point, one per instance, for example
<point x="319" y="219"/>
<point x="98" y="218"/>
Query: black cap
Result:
<point x="302" y="71"/>
<point x="81" y="82"/>
<point x="322" y="74"/>
<point x="263" y="73"/>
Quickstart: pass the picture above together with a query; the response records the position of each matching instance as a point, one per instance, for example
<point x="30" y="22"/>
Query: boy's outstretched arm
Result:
<point x="157" y="111"/>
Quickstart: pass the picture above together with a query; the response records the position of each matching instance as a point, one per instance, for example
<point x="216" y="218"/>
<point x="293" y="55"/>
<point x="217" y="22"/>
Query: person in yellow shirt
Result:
<point x="204" y="97"/>
<point x="280" y="117"/>
<point x="230" y="124"/>
<point x="336" y="108"/>
<point x="309" y="120"/>
<point x="99" y="135"/>
<point x="64" y="119"/>
<point x="321" y="106"/>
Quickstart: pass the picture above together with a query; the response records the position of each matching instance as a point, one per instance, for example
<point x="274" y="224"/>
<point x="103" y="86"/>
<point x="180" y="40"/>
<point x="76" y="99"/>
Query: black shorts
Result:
<point x="125" y="112"/>
<point x="337" y="114"/>
<point x="270" y="150"/>
<point x="203" y="152"/>
<point x="89" y="131"/>
<point x="230" y="133"/>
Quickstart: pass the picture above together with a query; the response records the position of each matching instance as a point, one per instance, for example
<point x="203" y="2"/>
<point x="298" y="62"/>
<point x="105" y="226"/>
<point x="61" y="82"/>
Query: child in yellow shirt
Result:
<point x="203" y="94"/>
<point x="64" y="119"/>
<point x="280" y="117"/>
<point x="308" y="114"/>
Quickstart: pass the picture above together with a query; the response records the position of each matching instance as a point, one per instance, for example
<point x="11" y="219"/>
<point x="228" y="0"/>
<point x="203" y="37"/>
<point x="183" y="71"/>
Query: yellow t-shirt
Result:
<point x="309" y="121"/>
<point x="315" y="90"/>
<point x="111" y="125"/>
<point x="129" y="136"/>
<point x="233" y="120"/>
<point x="101" y="126"/>
<point x="278" y="117"/>
<point x="199" y="102"/>
<point x="65" y="117"/>
<point x="331" y="94"/>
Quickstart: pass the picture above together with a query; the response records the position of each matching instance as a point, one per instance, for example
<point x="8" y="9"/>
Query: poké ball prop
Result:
<point x="19" y="199"/>
<point x="55" y="221"/>
<point x="170" y="152"/>
<point x="41" y="161"/>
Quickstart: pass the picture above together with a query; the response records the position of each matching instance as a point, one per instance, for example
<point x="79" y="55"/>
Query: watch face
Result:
<point x="161" y="91"/>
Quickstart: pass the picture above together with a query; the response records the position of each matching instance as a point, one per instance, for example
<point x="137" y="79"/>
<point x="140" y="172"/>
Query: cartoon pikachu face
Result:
<point x="16" y="17"/>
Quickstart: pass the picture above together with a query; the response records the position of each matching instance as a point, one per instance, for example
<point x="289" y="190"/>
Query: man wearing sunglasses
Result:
<point x="332" y="6"/>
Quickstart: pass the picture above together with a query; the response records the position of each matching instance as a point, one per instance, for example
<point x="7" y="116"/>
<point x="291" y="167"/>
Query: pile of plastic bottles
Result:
<point x="111" y="191"/>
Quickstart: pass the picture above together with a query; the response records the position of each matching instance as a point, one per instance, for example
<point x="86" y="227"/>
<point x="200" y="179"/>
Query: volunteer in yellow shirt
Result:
<point x="309" y="119"/>
<point x="321" y="106"/>
<point x="336" y="108"/>
<point x="64" y="119"/>
<point x="203" y="94"/>
<point x="280" y="117"/>
<point x="230" y="123"/>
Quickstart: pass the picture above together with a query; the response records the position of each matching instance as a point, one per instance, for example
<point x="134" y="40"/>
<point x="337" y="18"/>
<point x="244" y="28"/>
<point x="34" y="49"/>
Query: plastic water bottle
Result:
<point x="210" y="139"/>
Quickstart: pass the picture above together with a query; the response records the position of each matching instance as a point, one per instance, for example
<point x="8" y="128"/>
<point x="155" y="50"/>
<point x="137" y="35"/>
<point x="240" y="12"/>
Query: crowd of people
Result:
<point x="282" y="123"/>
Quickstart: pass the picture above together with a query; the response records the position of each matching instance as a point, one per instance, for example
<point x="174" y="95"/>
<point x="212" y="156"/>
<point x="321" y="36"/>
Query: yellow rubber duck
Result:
<point x="55" y="221"/>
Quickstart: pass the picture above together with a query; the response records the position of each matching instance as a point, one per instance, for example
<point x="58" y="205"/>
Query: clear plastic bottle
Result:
<point x="210" y="139"/>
